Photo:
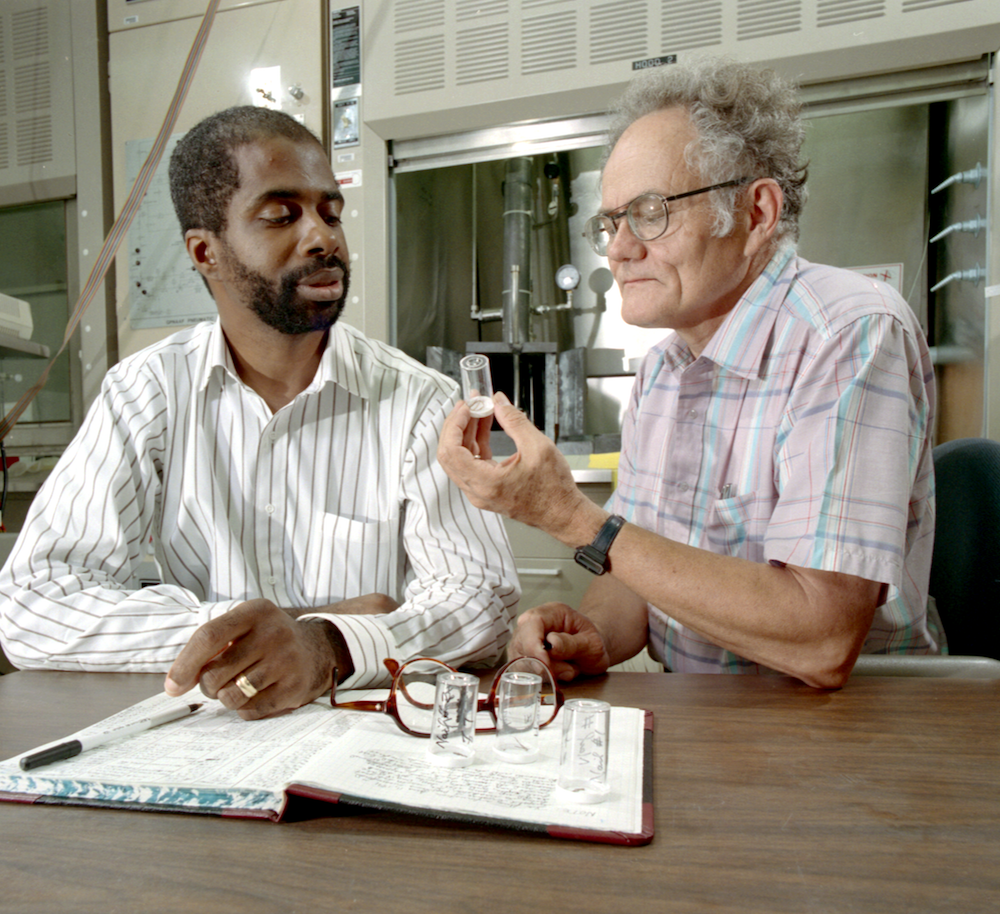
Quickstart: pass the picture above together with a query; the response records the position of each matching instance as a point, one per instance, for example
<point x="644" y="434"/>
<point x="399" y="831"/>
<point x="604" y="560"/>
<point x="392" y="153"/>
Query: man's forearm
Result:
<point x="56" y="623"/>
<point x="804" y="622"/>
<point x="371" y="604"/>
<point x="619" y="614"/>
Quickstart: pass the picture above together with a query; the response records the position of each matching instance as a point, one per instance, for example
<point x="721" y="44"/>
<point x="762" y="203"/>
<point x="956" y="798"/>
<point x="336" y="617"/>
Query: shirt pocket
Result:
<point x="348" y="558"/>
<point x="739" y="525"/>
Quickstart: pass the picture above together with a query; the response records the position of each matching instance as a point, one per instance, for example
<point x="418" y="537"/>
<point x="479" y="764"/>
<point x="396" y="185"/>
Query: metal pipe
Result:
<point x="972" y="225"/>
<point x="975" y="275"/>
<point x="517" y="220"/>
<point x="973" y="176"/>
<point x="475" y="312"/>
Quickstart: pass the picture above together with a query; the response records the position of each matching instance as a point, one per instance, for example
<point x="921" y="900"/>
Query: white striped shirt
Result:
<point x="336" y="495"/>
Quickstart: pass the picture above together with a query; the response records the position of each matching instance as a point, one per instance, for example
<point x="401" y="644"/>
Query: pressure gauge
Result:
<point x="567" y="277"/>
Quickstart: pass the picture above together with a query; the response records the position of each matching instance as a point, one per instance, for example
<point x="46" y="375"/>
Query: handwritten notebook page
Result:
<point x="214" y="759"/>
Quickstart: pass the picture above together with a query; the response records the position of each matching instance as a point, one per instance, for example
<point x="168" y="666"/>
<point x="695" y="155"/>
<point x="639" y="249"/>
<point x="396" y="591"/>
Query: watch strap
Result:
<point x="594" y="557"/>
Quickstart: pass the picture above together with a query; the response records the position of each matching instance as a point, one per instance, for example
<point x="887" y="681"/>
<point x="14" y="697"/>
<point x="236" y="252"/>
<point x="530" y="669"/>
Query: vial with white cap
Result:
<point x="477" y="385"/>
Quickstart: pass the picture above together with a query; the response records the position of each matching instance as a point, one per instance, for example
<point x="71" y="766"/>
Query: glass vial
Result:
<point x="583" y="761"/>
<point x="453" y="728"/>
<point x="477" y="385"/>
<point x="518" y="696"/>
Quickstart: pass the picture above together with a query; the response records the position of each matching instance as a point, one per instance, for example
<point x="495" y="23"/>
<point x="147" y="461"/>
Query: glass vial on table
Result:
<point x="477" y="385"/>
<point x="583" y="761"/>
<point x="453" y="727"/>
<point x="518" y="696"/>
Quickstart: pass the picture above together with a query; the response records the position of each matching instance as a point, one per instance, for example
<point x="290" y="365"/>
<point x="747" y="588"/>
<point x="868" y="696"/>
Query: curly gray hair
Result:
<point x="748" y="122"/>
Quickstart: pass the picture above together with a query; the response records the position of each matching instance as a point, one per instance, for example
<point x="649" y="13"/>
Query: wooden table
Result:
<point x="770" y="797"/>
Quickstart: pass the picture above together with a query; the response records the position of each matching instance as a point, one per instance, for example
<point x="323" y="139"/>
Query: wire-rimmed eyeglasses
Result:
<point x="410" y="702"/>
<point x="648" y="216"/>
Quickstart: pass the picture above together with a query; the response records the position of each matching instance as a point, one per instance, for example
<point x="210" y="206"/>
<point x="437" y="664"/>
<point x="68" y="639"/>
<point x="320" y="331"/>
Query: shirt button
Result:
<point x="274" y="435"/>
<point x="269" y="509"/>
<point x="272" y="580"/>
<point x="692" y="413"/>
<point x="683" y="487"/>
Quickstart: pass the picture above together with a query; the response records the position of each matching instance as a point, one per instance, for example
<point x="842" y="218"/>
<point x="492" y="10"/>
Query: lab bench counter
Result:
<point x="769" y="798"/>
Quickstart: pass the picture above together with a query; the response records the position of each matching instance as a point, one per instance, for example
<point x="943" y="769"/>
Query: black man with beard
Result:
<point x="282" y="465"/>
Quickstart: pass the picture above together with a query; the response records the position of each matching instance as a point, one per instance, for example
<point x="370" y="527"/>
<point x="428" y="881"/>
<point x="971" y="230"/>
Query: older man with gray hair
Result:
<point x="774" y="508"/>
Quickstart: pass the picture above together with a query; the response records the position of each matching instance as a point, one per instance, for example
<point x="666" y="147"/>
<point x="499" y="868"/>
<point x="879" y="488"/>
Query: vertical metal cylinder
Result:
<point x="517" y="221"/>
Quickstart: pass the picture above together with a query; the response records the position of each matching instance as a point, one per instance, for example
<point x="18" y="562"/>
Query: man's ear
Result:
<point x="764" y="201"/>
<point x="203" y="248"/>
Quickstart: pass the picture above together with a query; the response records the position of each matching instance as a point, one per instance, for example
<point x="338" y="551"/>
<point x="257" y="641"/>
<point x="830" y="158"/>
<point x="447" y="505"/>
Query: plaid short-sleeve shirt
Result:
<point x="800" y="436"/>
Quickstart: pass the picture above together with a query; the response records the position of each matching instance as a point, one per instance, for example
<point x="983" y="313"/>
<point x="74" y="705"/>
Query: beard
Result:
<point x="278" y="304"/>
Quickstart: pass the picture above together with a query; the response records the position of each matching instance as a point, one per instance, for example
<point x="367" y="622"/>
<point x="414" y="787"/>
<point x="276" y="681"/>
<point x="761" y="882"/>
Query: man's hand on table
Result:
<point x="565" y="640"/>
<point x="288" y="662"/>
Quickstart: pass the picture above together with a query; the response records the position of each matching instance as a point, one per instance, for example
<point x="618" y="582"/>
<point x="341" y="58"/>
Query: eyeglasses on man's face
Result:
<point x="648" y="217"/>
<point x="410" y="702"/>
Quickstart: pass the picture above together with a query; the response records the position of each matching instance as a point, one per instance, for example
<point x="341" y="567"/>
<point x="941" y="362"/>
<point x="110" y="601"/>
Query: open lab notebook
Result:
<point x="215" y="762"/>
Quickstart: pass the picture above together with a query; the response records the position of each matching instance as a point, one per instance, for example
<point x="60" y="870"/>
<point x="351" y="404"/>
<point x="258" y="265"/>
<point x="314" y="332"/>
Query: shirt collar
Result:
<point x="338" y="365"/>
<point x="739" y="343"/>
<point x="217" y="359"/>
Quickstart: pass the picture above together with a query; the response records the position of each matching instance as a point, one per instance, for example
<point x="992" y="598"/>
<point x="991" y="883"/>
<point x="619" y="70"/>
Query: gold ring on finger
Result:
<point x="245" y="686"/>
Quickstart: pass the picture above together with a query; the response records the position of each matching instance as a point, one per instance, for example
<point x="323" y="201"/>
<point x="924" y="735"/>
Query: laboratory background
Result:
<point x="467" y="137"/>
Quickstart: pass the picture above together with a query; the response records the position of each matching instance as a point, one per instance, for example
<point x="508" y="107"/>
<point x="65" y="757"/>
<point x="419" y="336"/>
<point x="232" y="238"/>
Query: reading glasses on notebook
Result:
<point x="410" y="702"/>
<point x="648" y="216"/>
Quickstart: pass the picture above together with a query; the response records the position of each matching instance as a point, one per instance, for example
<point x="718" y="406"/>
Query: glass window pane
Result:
<point x="33" y="269"/>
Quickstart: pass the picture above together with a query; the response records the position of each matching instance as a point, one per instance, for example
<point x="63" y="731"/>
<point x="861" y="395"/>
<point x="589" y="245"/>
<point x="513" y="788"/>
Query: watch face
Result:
<point x="595" y="562"/>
